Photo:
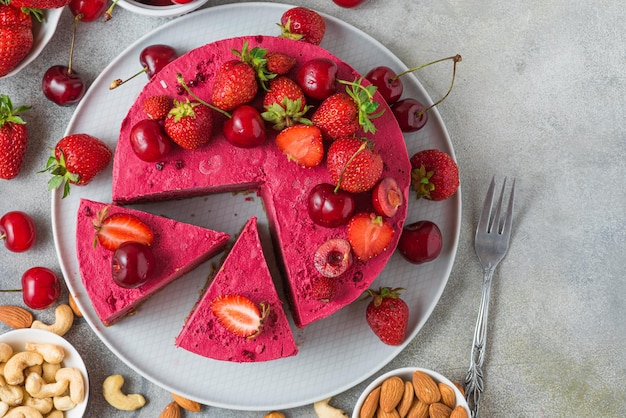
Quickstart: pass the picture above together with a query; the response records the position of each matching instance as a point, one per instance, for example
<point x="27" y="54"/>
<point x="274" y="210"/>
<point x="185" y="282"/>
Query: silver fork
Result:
<point x="491" y="244"/>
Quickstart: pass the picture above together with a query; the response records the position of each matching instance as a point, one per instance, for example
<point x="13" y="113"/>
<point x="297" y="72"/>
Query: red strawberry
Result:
<point x="118" y="228"/>
<point x="157" y="107"/>
<point x="284" y="103"/>
<point x="77" y="159"/>
<point x="342" y="114"/>
<point x="239" y="315"/>
<point x="434" y="174"/>
<point x="236" y="81"/>
<point x="279" y="62"/>
<point x="353" y="165"/>
<point x="369" y="235"/>
<point x="189" y="124"/>
<point x="387" y="315"/>
<point x="302" y="144"/>
<point x="40" y="4"/>
<point x="16" y="37"/>
<point x="323" y="288"/>
<point x="303" y="24"/>
<point x="13" y="138"/>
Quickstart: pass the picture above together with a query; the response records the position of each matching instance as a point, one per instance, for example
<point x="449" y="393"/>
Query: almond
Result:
<point x="172" y="410"/>
<point x="75" y="307"/>
<point x="419" y="409"/>
<point x="439" y="410"/>
<point x="15" y="316"/>
<point x="188" y="404"/>
<point x="407" y="399"/>
<point x="274" y="414"/>
<point x="384" y="414"/>
<point x="370" y="404"/>
<point x="391" y="393"/>
<point x="459" y="412"/>
<point x="460" y="388"/>
<point x="425" y="387"/>
<point x="448" y="396"/>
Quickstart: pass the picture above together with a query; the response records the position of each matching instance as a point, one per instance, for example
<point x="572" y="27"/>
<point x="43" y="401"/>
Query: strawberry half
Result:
<point x="369" y="235"/>
<point x="239" y="315"/>
<point x="387" y="315"/>
<point x="302" y="144"/>
<point x="118" y="228"/>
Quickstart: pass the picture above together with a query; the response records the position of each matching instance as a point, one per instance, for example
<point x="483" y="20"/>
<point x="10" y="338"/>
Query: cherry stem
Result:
<point x="345" y="167"/>
<point x="11" y="290"/>
<point x="108" y="15"/>
<point x="455" y="59"/>
<point x="76" y="20"/>
<point x="181" y="80"/>
<point x="118" y="82"/>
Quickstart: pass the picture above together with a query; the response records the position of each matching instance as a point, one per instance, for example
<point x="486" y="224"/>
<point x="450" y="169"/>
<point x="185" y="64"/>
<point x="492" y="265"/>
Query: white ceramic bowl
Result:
<point x="160" y="11"/>
<point x="18" y="338"/>
<point x="42" y="33"/>
<point x="406" y="374"/>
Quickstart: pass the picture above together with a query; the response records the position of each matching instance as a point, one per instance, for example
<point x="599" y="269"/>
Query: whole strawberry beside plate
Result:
<point x="16" y="37"/>
<point x="13" y="138"/>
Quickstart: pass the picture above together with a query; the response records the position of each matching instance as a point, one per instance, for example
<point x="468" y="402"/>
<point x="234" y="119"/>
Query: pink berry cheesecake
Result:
<point x="177" y="247"/>
<point x="284" y="186"/>
<point x="243" y="285"/>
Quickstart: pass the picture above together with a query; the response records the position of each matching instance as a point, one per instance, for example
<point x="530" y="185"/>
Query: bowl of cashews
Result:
<point x="41" y="374"/>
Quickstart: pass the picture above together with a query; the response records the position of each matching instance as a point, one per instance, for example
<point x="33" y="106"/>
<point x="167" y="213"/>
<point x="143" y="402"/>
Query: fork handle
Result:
<point x="474" y="378"/>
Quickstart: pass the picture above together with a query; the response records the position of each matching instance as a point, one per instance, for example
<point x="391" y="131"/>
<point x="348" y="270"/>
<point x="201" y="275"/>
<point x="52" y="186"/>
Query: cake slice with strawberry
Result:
<point x="240" y="317"/>
<point x="101" y="229"/>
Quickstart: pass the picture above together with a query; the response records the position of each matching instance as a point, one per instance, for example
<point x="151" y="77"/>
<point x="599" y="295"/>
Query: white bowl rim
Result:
<point x="160" y="11"/>
<point x="407" y="373"/>
<point x="18" y="338"/>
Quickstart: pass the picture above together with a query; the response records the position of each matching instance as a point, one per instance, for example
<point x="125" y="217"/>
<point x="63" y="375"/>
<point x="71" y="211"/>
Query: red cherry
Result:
<point x="387" y="83"/>
<point x="317" y="78"/>
<point x="132" y="264"/>
<point x="154" y="57"/>
<point x="245" y="128"/>
<point x="420" y="242"/>
<point x="89" y="10"/>
<point x="329" y="207"/>
<point x="62" y="85"/>
<point x="17" y="229"/>
<point x="333" y="257"/>
<point x="40" y="287"/>
<point x="156" y="2"/>
<point x="410" y="114"/>
<point x="387" y="197"/>
<point x="149" y="140"/>
<point x="181" y="1"/>
<point x="348" y="3"/>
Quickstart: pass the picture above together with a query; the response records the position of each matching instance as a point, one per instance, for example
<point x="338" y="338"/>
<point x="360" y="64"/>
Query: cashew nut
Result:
<point x="77" y="383"/>
<point x="64" y="318"/>
<point x="51" y="353"/>
<point x="324" y="410"/>
<point x="14" y="367"/>
<point x="4" y="407"/>
<point x="6" y="351"/>
<point x="63" y="403"/>
<point x="38" y="388"/>
<point x="10" y="394"/>
<point x="43" y="405"/>
<point x="112" y="391"/>
<point x="49" y="371"/>
<point x="23" y="412"/>
<point x="55" y="414"/>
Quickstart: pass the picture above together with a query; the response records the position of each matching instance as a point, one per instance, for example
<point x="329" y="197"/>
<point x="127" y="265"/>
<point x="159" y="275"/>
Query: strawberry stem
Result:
<point x="363" y="97"/>
<point x="181" y="81"/>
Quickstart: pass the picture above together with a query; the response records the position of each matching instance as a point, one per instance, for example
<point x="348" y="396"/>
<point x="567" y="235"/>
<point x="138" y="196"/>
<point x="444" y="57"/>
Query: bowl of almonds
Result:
<point x="42" y="372"/>
<point x="411" y="392"/>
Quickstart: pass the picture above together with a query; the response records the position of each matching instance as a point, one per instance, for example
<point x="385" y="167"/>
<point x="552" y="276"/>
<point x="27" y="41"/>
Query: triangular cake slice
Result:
<point x="178" y="248"/>
<point x="244" y="272"/>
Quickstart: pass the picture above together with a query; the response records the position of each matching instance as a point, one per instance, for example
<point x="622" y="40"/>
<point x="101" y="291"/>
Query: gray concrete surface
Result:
<point x="540" y="96"/>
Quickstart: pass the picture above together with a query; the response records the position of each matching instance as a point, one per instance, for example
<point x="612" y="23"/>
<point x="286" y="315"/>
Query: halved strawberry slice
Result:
<point x="239" y="315"/>
<point x="302" y="144"/>
<point x="369" y="235"/>
<point x="118" y="228"/>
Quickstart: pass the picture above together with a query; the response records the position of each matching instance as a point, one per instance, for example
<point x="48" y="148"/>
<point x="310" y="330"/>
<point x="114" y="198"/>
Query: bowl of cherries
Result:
<point x="161" y="8"/>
